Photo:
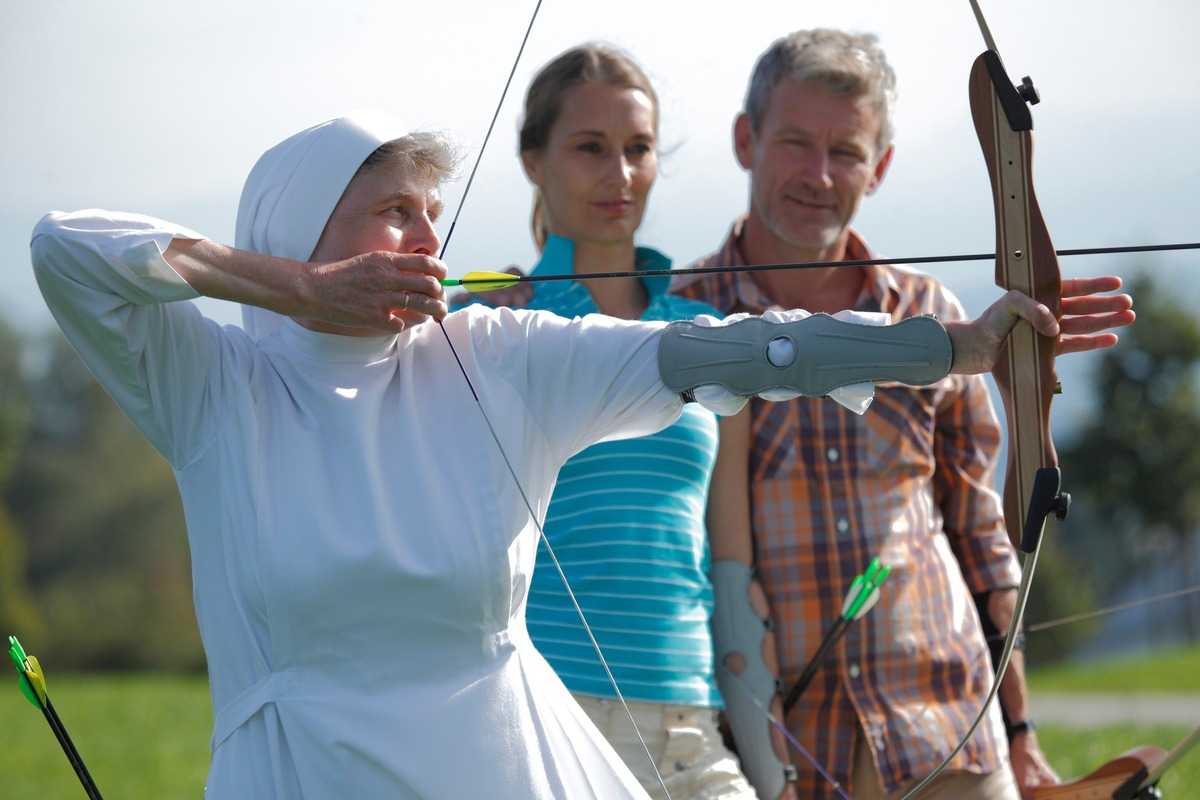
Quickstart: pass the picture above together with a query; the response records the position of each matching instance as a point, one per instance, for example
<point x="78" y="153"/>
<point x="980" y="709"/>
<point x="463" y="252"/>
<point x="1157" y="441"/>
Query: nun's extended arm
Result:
<point x="361" y="292"/>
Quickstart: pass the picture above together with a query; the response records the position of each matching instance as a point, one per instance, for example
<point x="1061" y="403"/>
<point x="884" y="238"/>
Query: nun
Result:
<point x="363" y="488"/>
<point x="359" y="584"/>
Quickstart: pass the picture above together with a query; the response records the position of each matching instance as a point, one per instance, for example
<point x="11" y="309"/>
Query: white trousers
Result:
<point x="684" y="742"/>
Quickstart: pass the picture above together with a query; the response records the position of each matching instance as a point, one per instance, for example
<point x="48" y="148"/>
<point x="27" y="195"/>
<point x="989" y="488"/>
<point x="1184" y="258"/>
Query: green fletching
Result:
<point x="851" y="596"/>
<point x="28" y="690"/>
<point x="864" y="591"/>
<point x="17" y="653"/>
<point x="32" y="685"/>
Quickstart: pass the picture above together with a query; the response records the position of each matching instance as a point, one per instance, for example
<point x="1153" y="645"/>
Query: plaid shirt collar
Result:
<point x="882" y="291"/>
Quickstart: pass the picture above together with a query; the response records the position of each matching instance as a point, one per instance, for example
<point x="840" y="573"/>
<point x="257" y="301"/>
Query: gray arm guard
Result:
<point x="738" y="630"/>
<point x="824" y="354"/>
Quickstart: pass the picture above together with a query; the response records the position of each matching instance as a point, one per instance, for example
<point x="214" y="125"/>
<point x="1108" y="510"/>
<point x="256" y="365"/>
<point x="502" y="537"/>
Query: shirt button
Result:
<point x="843" y="525"/>
<point x="854" y="671"/>
<point x="832" y="454"/>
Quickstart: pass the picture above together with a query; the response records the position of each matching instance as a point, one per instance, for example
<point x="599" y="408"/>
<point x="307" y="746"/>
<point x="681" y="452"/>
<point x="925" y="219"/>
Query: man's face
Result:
<point x="814" y="159"/>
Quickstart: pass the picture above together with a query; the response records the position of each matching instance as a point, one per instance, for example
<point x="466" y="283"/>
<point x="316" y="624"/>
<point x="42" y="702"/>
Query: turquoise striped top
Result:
<point x="626" y="522"/>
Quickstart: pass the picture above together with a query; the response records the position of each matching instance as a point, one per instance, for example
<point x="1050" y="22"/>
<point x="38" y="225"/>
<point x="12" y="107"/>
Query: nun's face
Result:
<point x="383" y="209"/>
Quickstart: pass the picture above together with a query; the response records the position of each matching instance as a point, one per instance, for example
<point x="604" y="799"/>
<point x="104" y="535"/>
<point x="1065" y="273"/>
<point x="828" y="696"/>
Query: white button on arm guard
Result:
<point x="812" y="356"/>
<point x="737" y="630"/>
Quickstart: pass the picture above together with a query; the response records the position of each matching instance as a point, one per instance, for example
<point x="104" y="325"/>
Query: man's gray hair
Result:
<point x="846" y="64"/>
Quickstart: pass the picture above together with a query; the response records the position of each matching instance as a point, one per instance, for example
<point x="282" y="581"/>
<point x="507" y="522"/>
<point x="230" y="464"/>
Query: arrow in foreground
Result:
<point x="861" y="597"/>
<point x="33" y="686"/>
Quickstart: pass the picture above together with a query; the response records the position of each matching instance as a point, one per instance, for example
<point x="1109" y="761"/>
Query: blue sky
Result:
<point x="162" y="106"/>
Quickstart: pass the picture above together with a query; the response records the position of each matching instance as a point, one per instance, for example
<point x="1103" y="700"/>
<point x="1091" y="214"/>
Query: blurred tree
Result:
<point x="16" y="611"/>
<point x="1058" y="594"/>
<point x="107" y="551"/>
<point x="1137" y="461"/>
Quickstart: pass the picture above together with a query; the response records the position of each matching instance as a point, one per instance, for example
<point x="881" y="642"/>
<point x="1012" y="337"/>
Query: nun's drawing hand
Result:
<point x="382" y="291"/>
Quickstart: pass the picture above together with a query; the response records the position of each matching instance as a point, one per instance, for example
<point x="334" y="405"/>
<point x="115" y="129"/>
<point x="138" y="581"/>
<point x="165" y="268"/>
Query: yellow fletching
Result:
<point x="483" y="281"/>
<point x="34" y="674"/>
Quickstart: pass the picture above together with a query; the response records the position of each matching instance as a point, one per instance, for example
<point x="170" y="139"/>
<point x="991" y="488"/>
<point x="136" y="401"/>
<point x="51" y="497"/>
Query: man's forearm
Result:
<point x="1014" y="694"/>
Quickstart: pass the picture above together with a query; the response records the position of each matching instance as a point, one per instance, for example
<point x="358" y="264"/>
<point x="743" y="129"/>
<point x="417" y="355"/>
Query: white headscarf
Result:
<point x="294" y="187"/>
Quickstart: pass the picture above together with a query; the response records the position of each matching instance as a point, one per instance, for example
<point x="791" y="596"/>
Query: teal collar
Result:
<point x="558" y="258"/>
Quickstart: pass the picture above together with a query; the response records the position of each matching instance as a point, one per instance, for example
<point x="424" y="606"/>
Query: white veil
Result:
<point x="294" y="187"/>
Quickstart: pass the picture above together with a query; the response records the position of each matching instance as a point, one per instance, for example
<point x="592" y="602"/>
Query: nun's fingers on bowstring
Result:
<point x="418" y="280"/>
<point x="361" y="290"/>
<point x="420" y="284"/>
<point x="418" y="264"/>
<point x="415" y="307"/>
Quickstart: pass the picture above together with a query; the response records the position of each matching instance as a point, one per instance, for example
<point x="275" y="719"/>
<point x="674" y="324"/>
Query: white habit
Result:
<point x="360" y="552"/>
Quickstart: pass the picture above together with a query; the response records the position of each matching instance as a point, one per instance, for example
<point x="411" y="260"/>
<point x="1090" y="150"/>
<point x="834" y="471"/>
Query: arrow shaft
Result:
<point x="68" y="746"/>
<point x="861" y="262"/>
<point x="820" y="657"/>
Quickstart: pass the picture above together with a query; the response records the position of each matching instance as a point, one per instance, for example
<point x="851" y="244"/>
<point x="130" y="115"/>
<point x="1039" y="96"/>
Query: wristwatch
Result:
<point x="1015" y="729"/>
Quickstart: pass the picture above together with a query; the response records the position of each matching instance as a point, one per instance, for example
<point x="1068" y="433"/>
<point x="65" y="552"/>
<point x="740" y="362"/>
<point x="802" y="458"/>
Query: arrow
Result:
<point x="483" y="281"/>
<point x="861" y="597"/>
<point x="33" y="686"/>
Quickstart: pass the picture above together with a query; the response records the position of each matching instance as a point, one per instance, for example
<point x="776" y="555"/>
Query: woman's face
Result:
<point x="598" y="164"/>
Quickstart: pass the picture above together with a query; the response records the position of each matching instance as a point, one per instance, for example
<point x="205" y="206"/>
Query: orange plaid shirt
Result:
<point x="911" y="481"/>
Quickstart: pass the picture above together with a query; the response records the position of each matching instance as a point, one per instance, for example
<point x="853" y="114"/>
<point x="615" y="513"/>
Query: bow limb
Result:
<point x="1025" y="261"/>
<point x="1024" y="371"/>
<point x="1124" y="774"/>
<point x="1133" y="775"/>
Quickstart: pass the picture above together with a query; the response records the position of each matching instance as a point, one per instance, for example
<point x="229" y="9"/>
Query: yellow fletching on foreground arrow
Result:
<point x="36" y="680"/>
<point x="483" y="281"/>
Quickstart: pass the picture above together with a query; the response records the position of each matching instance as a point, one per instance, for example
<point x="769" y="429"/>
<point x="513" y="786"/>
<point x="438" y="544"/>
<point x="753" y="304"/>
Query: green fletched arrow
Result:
<point x="861" y="597"/>
<point x="33" y="686"/>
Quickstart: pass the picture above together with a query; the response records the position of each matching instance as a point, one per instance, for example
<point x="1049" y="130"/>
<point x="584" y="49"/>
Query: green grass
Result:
<point x="141" y="737"/>
<point x="1175" y="670"/>
<point x="146" y="737"/>
<point x="1074" y="753"/>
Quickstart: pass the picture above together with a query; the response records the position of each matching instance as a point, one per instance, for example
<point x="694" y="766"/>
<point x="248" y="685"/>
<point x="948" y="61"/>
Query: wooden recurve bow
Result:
<point x="1024" y="371"/>
<point x="1025" y="260"/>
